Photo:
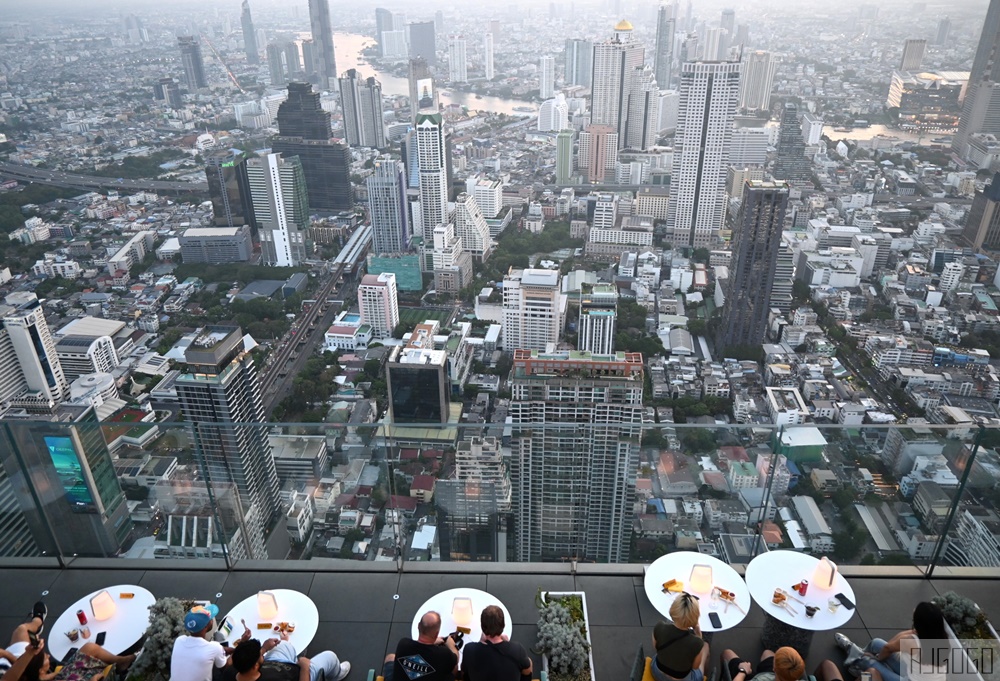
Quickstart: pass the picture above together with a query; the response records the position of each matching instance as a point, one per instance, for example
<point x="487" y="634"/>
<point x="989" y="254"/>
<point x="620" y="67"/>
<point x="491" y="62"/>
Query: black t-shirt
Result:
<point x="269" y="671"/>
<point x="424" y="661"/>
<point x="676" y="649"/>
<point x="494" y="661"/>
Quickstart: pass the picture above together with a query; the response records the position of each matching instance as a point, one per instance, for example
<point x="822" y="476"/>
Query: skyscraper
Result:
<point x="598" y="152"/>
<point x="304" y="130"/>
<point x="716" y="45"/>
<point x="423" y="94"/>
<point x="708" y="100"/>
<point x="281" y="208"/>
<point x="276" y="64"/>
<point x="577" y="421"/>
<point x="615" y="63"/>
<point x="488" y="55"/>
<point x="757" y="81"/>
<point x="471" y="228"/>
<point x="194" y="66"/>
<point x="249" y="35"/>
<point x="387" y="205"/>
<point x="309" y="57"/>
<point x="383" y="23"/>
<point x="378" y="302"/>
<point x="791" y="163"/>
<point x="220" y="394"/>
<point x="981" y="108"/>
<point x="451" y="264"/>
<point x="168" y="90"/>
<point x="423" y="42"/>
<point x="728" y="24"/>
<point x="564" y="156"/>
<point x="553" y="114"/>
<point x="579" y="61"/>
<point x="943" y="29"/>
<point x="546" y="77"/>
<point x="641" y="121"/>
<point x="458" y="66"/>
<point x="472" y="507"/>
<point x="756" y="242"/>
<point x="361" y="100"/>
<point x="433" y="171"/>
<point x="229" y="189"/>
<point x="982" y="226"/>
<point x="666" y="29"/>
<point x="417" y="380"/>
<point x="913" y="54"/>
<point x="32" y="373"/>
<point x="532" y="309"/>
<point x="598" y="314"/>
<point x="322" y="33"/>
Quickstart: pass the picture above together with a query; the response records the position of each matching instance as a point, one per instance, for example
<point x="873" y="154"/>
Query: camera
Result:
<point x="458" y="638"/>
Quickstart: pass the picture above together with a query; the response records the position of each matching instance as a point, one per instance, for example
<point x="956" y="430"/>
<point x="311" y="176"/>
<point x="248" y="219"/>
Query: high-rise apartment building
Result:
<point x="458" y="63"/>
<point x="757" y="81"/>
<point x="488" y="68"/>
<point x="598" y="152"/>
<point x="564" y="156"/>
<point x="577" y="422"/>
<point x="553" y="114"/>
<point x="533" y="309"/>
<point x="220" y="393"/>
<point x="666" y="30"/>
<point x="616" y="62"/>
<point x="383" y="23"/>
<point x="755" y="246"/>
<point x="309" y="57"/>
<point x="229" y="189"/>
<point x="433" y="171"/>
<point x="322" y="35"/>
<point x="387" y="207"/>
<point x="981" y="107"/>
<point x="579" y="61"/>
<point x="913" y="54"/>
<point x="642" y="114"/>
<point x="450" y="262"/>
<point x="943" y="29"/>
<point x="488" y="194"/>
<point x="471" y="228"/>
<point x="715" y="47"/>
<point x="791" y="163"/>
<point x="728" y="24"/>
<point x="31" y="375"/>
<point x="361" y="100"/>
<point x="194" y="65"/>
<point x="276" y="64"/>
<point x="424" y="96"/>
<point x="546" y="77"/>
<point x="598" y="317"/>
<point x="249" y="35"/>
<point x="281" y="208"/>
<point x="784" y="279"/>
<point x="982" y="225"/>
<point x="378" y="302"/>
<point x="423" y="42"/>
<point x="709" y="95"/>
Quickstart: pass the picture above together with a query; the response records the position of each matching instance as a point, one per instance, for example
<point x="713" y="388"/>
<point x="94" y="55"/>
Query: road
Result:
<point x="57" y="178"/>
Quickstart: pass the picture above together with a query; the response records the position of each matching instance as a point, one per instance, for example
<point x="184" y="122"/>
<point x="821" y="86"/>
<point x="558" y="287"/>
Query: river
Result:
<point x="864" y="134"/>
<point x="348" y="48"/>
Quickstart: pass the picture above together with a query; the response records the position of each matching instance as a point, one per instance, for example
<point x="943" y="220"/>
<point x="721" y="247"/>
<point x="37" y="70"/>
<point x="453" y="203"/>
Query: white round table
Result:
<point x="293" y="606"/>
<point x="678" y="566"/>
<point x="124" y="628"/>
<point x="457" y="600"/>
<point x="780" y="570"/>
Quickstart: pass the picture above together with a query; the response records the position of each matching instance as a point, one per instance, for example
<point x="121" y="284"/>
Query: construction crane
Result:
<point x="232" y="76"/>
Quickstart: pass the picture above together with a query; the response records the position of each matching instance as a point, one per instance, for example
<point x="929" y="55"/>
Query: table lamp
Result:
<point x="103" y="606"/>
<point x="825" y="574"/>
<point x="267" y="605"/>
<point x="701" y="578"/>
<point x="461" y="611"/>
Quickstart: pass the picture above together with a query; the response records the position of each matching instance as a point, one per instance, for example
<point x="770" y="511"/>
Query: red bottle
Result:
<point x="82" y="616"/>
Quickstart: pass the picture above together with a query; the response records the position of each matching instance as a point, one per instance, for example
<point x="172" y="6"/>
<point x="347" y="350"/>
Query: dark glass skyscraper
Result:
<point x="194" y="65"/>
<point x="226" y="173"/>
<point x="249" y="35"/>
<point x="423" y="42"/>
<point x="322" y="33"/>
<point x="791" y="163"/>
<point x="981" y="108"/>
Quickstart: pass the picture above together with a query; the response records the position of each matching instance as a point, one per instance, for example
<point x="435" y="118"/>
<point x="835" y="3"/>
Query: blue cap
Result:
<point x="199" y="616"/>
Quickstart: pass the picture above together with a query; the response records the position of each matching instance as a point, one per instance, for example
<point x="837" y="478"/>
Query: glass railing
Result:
<point x="921" y="495"/>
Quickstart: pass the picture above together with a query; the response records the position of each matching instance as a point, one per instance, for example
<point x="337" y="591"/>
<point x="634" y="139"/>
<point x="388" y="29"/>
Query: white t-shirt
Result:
<point x="193" y="658"/>
<point x="920" y="666"/>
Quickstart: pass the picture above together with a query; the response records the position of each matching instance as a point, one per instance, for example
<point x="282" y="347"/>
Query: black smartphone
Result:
<point x="33" y="638"/>
<point x="714" y="618"/>
<point x="69" y="654"/>
<point x="845" y="601"/>
<point x="101" y="635"/>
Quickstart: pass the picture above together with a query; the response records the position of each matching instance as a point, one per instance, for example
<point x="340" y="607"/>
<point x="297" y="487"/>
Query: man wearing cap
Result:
<point x="195" y="655"/>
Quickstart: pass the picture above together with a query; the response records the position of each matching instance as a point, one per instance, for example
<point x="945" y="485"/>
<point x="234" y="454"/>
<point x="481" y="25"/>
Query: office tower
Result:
<point x="708" y="100"/>
<point x="981" y="108"/>
<point x="495" y="28"/>
<point x="598" y="152"/>
<point x="546" y="77"/>
<point x="716" y="45"/>
<point x="982" y="226"/>
<point x="579" y="60"/>
<point x="668" y="105"/>
<point x="755" y="246"/>
<point x="728" y="24"/>
<point x="170" y="92"/>
<point x="422" y="42"/>
<point x="532" y="309"/>
<point x="439" y="21"/>
<point x="249" y="35"/>
<point x="383" y="23"/>
<point x="615" y="63"/>
<point x="450" y="262"/>
<point x="577" y="422"/>
<point x="361" y="100"/>
<point x="281" y="208"/>
<point x="488" y="55"/>
<point x="220" y="393"/>
<point x="757" y="81"/>
<point x="135" y="32"/>
<point x="598" y="314"/>
<point x="387" y="206"/>
<point x="304" y="130"/>
<point x="663" y="59"/>
<point x="194" y="66"/>
<point x="418" y="385"/>
<point x="553" y="114"/>
<point x="309" y="57"/>
<point x="31" y="371"/>
<point x="742" y="36"/>
<point x="276" y="64"/>
<point x="458" y="68"/>
<point x="641" y="124"/>
<point x="791" y="163"/>
<point x="471" y="228"/>
<point x="322" y="35"/>
<point x="229" y="189"/>
<point x="423" y="95"/>
<point x="433" y="172"/>
<point x="61" y="474"/>
<point x="943" y="29"/>
<point x="394" y="44"/>
<point x="378" y="302"/>
<point x="913" y="54"/>
<point x="564" y="156"/>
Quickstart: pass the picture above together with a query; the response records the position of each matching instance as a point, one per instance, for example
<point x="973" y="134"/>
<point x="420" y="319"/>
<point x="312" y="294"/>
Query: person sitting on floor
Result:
<point x="195" y="655"/>
<point x="495" y="657"/>
<point x="785" y="664"/>
<point x="20" y="638"/>
<point x="888" y="660"/>
<point x="87" y="664"/>
<point x="680" y="650"/>
<point x="429" y="658"/>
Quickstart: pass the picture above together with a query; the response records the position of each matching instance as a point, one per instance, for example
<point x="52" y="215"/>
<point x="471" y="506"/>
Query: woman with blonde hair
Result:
<point x="680" y="651"/>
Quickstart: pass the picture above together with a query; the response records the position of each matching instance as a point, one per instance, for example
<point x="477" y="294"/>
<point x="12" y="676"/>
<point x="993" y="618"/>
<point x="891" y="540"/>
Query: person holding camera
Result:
<point x="495" y="657"/>
<point x="429" y="658"/>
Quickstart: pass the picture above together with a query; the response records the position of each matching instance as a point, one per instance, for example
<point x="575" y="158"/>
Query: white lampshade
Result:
<point x="267" y="605"/>
<point x="103" y="605"/>
<point x="701" y="579"/>
<point x="825" y="574"/>
<point x="461" y="611"/>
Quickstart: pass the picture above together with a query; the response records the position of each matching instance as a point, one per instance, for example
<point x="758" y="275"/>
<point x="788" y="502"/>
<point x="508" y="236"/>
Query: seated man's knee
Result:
<point x="390" y="657"/>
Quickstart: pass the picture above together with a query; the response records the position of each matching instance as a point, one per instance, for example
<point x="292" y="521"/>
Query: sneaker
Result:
<point x="39" y="610"/>
<point x="345" y="669"/>
<point x="843" y="642"/>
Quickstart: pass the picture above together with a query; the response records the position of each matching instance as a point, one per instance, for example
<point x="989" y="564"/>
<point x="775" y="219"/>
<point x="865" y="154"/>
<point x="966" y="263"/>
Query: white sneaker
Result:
<point x="345" y="669"/>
